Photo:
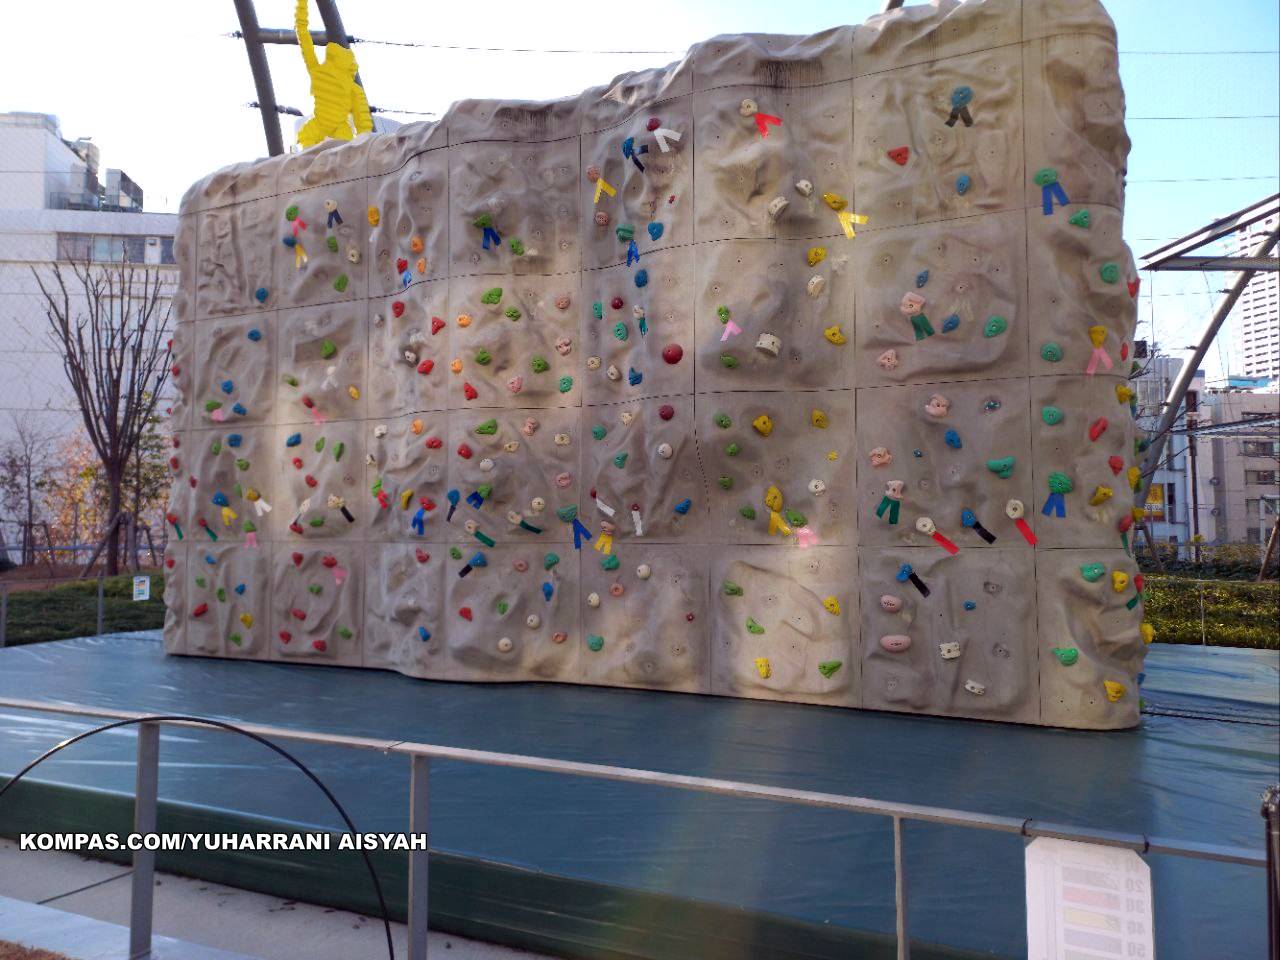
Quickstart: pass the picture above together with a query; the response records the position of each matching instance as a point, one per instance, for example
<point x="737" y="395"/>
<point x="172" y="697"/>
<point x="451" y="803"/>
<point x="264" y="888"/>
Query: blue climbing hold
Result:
<point x="634" y="377"/>
<point x="961" y="96"/>
<point x="233" y="439"/>
<point x="261" y="294"/>
<point x="290" y="241"/>
<point x="642" y="278"/>
<point x="227" y="386"/>
<point x="968" y="519"/>
<point x="904" y="573"/>
<point x="953" y="440"/>
<point x="293" y="440"/>
<point x="547" y="590"/>
<point x="922" y="278"/>
<point x="918" y="454"/>
<point x="683" y="506"/>
<point x="208" y="558"/>
<point x="655" y="231"/>
<point x="255" y="334"/>
<point x="220" y="499"/>
<point x="970" y="605"/>
<point x="962" y="184"/>
<point x="240" y="589"/>
<point x="629" y="147"/>
<point x="423" y="635"/>
<point x="239" y="409"/>
<point x="951" y="323"/>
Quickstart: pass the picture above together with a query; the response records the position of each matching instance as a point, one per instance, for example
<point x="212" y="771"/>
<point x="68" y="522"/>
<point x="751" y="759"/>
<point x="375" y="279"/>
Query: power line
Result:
<point x="1200" y="53"/>
<point x="1272" y="176"/>
<point x="1237" y="116"/>
<point x="446" y="46"/>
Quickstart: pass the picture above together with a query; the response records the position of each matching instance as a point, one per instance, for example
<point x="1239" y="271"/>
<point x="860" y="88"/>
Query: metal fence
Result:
<point x="420" y="756"/>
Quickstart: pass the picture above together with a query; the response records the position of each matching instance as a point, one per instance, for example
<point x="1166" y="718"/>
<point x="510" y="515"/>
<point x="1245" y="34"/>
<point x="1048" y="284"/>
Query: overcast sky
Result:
<point x="162" y="92"/>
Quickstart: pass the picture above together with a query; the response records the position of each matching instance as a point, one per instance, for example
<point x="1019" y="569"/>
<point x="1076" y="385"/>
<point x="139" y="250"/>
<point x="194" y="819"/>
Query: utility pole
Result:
<point x="1192" y="419"/>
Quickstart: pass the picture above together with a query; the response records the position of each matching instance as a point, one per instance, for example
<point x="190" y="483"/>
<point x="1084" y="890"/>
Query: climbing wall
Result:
<point x="796" y="370"/>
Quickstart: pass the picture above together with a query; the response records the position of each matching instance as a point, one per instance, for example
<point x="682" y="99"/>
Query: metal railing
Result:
<point x="421" y="754"/>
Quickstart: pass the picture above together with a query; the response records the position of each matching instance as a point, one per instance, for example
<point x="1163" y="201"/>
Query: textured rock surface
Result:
<point x="416" y="367"/>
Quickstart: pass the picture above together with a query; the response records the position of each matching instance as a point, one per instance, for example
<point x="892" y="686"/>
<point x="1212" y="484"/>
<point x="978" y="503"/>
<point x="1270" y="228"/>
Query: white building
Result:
<point x="1255" y="351"/>
<point x="56" y="208"/>
<point x="1173" y="514"/>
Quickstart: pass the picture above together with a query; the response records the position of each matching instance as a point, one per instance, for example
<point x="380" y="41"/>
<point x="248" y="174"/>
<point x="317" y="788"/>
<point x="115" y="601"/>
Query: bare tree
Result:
<point x="23" y="462"/>
<point x="111" y="329"/>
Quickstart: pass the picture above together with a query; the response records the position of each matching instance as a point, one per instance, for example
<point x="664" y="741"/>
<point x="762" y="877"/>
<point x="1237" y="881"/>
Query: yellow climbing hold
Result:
<point x="763" y="668"/>
<point x="1124" y="393"/>
<point x="1114" y="690"/>
<point x="1138" y="514"/>
<point x="1097" y="335"/>
<point x="832" y="605"/>
<point x="1148" y="631"/>
<point x="818" y="419"/>
<point x="341" y="108"/>
<point x="374" y="217"/>
<point x="246" y="619"/>
<point x="1119" y="580"/>
<point x="1100" y="496"/>
<point x="816" y="255"/>
<point x="1135" y="477"/>
<point x="406" y="498"/>
<point x="832" y="456"/>
<point x="353" y="392"/>
<point x="834" y="335"/>
<point x="835" y="201"/>
<point x="763" y="425"/>
<point x="252" y="495"/>
<point x="773" y="498"/>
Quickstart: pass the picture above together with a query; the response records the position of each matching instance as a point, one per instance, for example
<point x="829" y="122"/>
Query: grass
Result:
<point x="1236" y="613"/>
<point x="71" y="610"/>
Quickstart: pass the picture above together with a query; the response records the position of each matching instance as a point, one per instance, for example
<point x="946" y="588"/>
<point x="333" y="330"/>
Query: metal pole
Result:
<point x="100" y="585"/>
<point x="333" y="27"/>
<point x="144" y="821"/>
<point x="419" y="776"/>
<point x="1271" y="817"/>
<point x="4" y="610"/>
<point x="891" y="5"/>
<point x="1192" y="450"/>
<point x="1173" y="402"/>
<point x="261" y="76"/>
<point x="900" y="891"/>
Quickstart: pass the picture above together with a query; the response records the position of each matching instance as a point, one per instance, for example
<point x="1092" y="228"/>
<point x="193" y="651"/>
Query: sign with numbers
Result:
<point x="142" y="588"/>
<point x="1086" y="902"/>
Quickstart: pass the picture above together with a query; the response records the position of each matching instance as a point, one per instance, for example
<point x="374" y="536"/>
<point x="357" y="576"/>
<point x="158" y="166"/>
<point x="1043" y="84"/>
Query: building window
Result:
<point x="1253" y="535"/>
<point x="76" y="247"/>
<point x="102" y="248"/>
<point x="1261" y="448"/>
<point x="1260" y="477"/>
<point x="166" y="250"/>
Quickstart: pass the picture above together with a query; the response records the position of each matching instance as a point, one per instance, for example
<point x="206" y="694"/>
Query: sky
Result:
<point x="162" y="91"/>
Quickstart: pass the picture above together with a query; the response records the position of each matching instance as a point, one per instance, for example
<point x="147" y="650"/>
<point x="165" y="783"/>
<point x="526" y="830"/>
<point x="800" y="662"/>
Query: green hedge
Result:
<point x="1236" y="613"/>
<point x="71" y="610"/>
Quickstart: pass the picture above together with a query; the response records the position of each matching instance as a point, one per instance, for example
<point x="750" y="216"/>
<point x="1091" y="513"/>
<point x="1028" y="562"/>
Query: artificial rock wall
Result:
<point x="796" y="370"/>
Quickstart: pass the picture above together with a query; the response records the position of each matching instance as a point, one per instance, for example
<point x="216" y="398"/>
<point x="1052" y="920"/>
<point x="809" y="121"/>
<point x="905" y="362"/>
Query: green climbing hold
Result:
<point x="1067" y="656"/>
<point x="483" y="357"/>
<point x="568" y="514"/>
<point x="595" y="643"/>
<point x="455" y="553"/>
<point x="484" y="221"/>
<point x="235" y="638"/>
<point x="732" y="450"/>
<point x="488" y="428"/>
<point x="242" y="464"/>
<point x="1109" y="272"/>
<point x="625" y="232"/>
<point x="222" y="594"/>
<point x="747" y="512"/>
<point x="1002" y="467"/>
<point x="726" y="483"/>
<point x="290" y="379"/>
<point x="328" y="348"/>
<point x="550" y="560"/>
<point x="753" y="627"/>
<point x="200" y="582"/>
<point x="539" y="365"/>
<point x="1046" y="176"/>
<point x="491" y="296"/>
<point x="1051" y="352"/>
<point x="319" y="445"/>
<point x="345" y="633"/>
<point x="620" y="461"/>
<point x="565" y="384"/>
<point x="1052" y="416"/>
<point x="314" y="589"/>
<point x="332" y="243"/>
<point x="796" y="518"/>
<point x="316" y="522"/>
<point x="216" y="447"/>
<point x="340" y="282"/>
<point x="501" y="607"/>
<point x="610" y="562"/>
<point x="620" y="331"/>
<point x="597" y="310"/>
<point x="995" y="326"/>
<point x="598" y="431"/>
<point x="486" y="491"/>
<point x="731" y="589"/>
<point x="517" y="247"/>
<point x="1079" y="219"/>
<point x="1092" y="572"/>
<point x="291" y="212"/>
<point x="728" y="361"/>
<point x="1060" y="483"/>
<point x="512" y="314"/>
<point x="212" y="405"/>
<point x="723" y="314"/>
<point x="339" y="449"/>
<point x="828" y="667"/>
<point x="723" y="421"/>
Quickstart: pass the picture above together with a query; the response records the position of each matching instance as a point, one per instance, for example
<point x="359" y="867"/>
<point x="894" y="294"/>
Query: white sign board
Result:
<point x="142" y="588"/>
<point x="1086" y="902"/>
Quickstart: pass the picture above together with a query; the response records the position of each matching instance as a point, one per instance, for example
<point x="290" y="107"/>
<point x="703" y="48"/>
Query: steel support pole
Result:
<point x="4" y="610"/>
<point x="101" y="582"/>
<point x="261" y="76"/>
<point x="419" y="777"/>
<point x="1271" y="817"/>
<point x="144" y="821"/>
<point x="900" y="892"/>
<point x="1181" y="384"/>
<point x="332" y="20"/>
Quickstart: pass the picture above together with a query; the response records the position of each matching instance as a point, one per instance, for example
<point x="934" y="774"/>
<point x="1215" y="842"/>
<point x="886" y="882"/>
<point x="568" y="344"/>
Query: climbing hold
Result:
<point x="1101" y="495"/>
<point x="974" y="687"/>
<point x="1051" y="352"/>
<point x="642" y="278"/>
<point x="672" y="353"/>
<point x="539" y="364"/>
<point x="655" y="231"/>
<point x="832" y="605"/>
<point x="683" y="506"/>
<point x="763" y="668"/>
<point x="922" y="278"/>
<point x="1119" y="580"/>
<point x="763" y="425"/>
<point x="899" y="155"/>
<point x="260" y="294"/>
<point x="1079" y="219"/>
<point x="726" y="483"/>
<point x="895" y="643"/>
<point x="952" y="439"/>
<point x="962" y="184"/>
<point x="1109" y="272"/>
<point x="1148" y="632"/>
<point x="488" y="428"/>
<point x="1052" y="416"/>
<point x="620" y="331"/>
<point x="995" y="326"/>
<point x="816" y="255"/>
<point x="1002" y="467"/>
<point x="970" y="605"/>
<point x="1114" y="690"/>
<point x="491" y="296"/>
<point x="511" y="313"/>
<point x="595" y="643"/>
<point x="1067" y="656"/>
<point x="818" y="419"/>
<point x="1092" y="572"/>
<point x="951" y="323"/>
<point x="834" y="335"/>
<point x="828" y="668"/>
<point x="816" y="285"/>
<point x="328" y="349"/>
<point x="937" y="406"/>
<point x="949" y="650"/>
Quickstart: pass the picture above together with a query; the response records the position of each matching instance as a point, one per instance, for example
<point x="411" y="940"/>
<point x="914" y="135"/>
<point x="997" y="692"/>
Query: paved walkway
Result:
<point x="254" y="925"/>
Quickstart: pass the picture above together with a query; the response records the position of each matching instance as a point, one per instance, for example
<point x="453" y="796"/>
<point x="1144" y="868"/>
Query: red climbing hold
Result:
<point x="296" y="527"/>
<point x="616" y="303"/>
<point x="763" y="120"/>
<point x="296" y="558"/>
<point x="397" y="308"/>
<point x="421" y="555"/>
<point x="653" y="124"/>
<point x="666" y="411"/>
<point x="900" y="155"/>
<point x="1116" y="464"/>
<point x="173" y="463"/>
<point x="464" y="451"/>
<point x="298" y="614"/>
<point x="201" y="610"/>
<point x="297" y="463"/>
<point x="1133" y="286"/>
<point x="168" y="562"/>
<point x="465" y="613"/>
<point x="402" y="265"/>
<point x="434" y="443"/>
<point x="436" y="325"/>
<point x="426" y="366"/>
<point x="469" y="391"/>
<point x="1124" y="351"/>
<point x="311" y="481"/>
<point x="672" y="353"/>
<point x="689" y="616"/>
<point x="285" y="636"/>
<point x="320" y="645"/>
<point x="1097" y="428"/>
<point x="329" y="562"/>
